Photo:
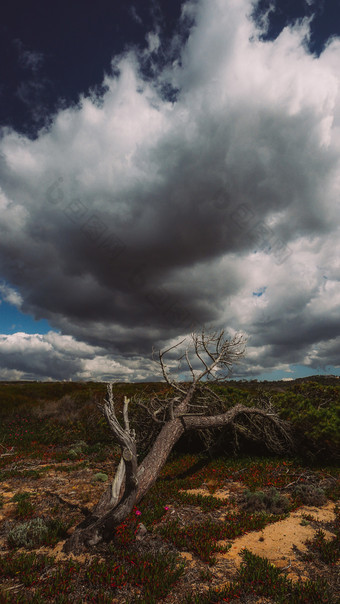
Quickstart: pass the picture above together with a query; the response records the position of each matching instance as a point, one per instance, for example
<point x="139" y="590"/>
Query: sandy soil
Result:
<point x="278" y="542"/>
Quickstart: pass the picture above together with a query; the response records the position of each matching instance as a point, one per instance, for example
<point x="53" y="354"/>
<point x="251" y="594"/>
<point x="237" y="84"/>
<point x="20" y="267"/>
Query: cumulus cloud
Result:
<point x="166" y="203"/>
<point x="8" y="294"/>
<point x="53" y="356"/>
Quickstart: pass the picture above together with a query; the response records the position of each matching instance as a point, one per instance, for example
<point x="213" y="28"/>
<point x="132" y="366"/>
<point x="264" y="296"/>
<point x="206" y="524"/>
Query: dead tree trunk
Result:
<point x="114" y="506"/>
<point x="181" y="413"/>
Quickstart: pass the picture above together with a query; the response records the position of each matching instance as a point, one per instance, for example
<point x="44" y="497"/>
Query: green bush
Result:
<point x="309" y="495"/>
<point x="56" y="530"/>
<point x="100" y="477"/>
<point x="77" y="450"/>
<point x="24" y="505"/>
<point x="313" y="410"/>
<point x="73" y="454"/>
<point x="18" y="497"/>
<point x="36" y="532"/>
<point x="327" y="550"/>
<point x="269" y="501"/>
<point x="28" y="534"/>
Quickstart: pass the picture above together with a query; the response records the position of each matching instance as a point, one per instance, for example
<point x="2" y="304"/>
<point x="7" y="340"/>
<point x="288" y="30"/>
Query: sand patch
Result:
<point x="276" y="541"/>
<point x="8" y="492"/>
<point x="188" y="557"/>
<point x="60" y="556"/>
<point x="221" y="493"/>
<point x="226" y="493"/>
<point x="200" y="491"/>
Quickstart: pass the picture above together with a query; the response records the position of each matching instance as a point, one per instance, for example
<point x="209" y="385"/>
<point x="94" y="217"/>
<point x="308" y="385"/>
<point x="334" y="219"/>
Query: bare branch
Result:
<point x="197" y="352"/>
<point x="189" y="365"/>
<point x="267" y="427"/>
<point x="225" y="352"/>
<point x="151" y="413"/>
<point x="126" y="415"/>
<point x="163" y="367"/>
<point x="204" y="345"/>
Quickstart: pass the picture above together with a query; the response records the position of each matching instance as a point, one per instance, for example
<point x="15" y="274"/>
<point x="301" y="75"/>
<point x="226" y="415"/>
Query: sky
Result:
<point x="167" y="166"/>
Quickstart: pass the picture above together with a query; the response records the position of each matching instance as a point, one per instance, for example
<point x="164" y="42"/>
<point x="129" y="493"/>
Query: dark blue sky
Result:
<point x="12" y="321"/>
<point x="74" y="42"/>
<point x="326" y="22"/>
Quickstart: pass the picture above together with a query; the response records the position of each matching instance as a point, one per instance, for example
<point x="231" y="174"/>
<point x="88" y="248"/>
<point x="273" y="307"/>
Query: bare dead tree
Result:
<point x="208" y="361"/>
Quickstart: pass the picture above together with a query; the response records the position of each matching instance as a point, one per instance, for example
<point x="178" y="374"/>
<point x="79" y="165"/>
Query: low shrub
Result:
<point x="328" y="551"/>
<point x="77" y="450"/>
<point x="259" y="501"/>
<point x="28" y="534"/>
<point x="36" y="532"/>
<point x="100" y="477"/>
<point x="207" y="503"/>
<point x="73" y="454"/>
<point x="24" y="505"/>
<point x="309" y="495"/>
<point x="57" y="530"/>
<point x="313" y="411"/>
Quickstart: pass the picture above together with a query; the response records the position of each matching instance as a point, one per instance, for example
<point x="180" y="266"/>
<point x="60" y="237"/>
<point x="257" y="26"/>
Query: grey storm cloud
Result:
<point x="54" y="356"/>
<point x="36" y="357"/>
<point x="133" y="219"/>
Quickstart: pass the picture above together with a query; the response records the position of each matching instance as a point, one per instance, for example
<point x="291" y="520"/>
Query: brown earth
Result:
<point x="282" y="542"/>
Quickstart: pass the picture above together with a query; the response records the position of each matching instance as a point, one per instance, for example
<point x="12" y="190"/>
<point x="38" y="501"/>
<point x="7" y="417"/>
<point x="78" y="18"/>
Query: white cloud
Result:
<point x="153" y="42"/>
<point x="58" y="357"/>
<point x="8" y="294"/>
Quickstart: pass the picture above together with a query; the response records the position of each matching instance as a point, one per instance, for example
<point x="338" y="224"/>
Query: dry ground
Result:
<point x="61" y="492"/>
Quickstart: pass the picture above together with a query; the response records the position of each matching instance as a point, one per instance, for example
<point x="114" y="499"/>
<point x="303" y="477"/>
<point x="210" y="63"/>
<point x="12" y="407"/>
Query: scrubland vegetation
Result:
<point x="57" y="455"/>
